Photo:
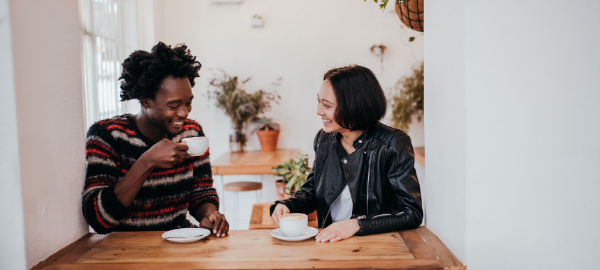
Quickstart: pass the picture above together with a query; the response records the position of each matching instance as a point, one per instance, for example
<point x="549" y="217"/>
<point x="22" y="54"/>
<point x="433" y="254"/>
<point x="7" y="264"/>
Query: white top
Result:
<point x="341" y="209"/>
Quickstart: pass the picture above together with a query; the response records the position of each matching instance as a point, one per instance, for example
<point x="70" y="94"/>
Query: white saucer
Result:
<point x="310" y="232"/>
<point x="187" y="234"/>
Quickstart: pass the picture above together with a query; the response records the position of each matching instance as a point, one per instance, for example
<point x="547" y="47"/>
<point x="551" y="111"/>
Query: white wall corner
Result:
<point x="51" y="134"/>
<point x="12" y="245"/>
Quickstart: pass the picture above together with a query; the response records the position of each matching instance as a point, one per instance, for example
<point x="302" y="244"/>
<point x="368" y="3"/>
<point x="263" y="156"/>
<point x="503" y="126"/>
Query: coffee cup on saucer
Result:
<point x="293" y="225"/>
<point x="197" y="146"/>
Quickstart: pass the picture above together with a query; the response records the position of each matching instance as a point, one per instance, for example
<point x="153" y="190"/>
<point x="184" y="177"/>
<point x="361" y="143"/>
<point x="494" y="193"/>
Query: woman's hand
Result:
<point x="339" y="231"/>
<point x="280" y="210"/>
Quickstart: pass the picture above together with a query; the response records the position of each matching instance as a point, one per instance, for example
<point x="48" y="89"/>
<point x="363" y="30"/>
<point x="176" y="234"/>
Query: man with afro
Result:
<point x="139" y="175"/>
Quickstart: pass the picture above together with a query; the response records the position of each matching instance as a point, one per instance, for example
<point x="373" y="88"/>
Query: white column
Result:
<point x="12" y="245"/>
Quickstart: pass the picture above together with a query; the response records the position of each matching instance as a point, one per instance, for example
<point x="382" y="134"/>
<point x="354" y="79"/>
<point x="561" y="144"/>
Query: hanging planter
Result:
<point x="411" y="13"/>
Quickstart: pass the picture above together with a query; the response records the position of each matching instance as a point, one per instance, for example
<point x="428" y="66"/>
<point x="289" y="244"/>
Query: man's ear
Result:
<point x="145" y="103"/>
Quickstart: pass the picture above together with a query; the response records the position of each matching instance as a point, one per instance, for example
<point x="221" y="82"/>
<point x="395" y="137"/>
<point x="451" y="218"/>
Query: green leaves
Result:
<point x="383" y="3"/>
<point x="294" y="172"/>
<point x="239" y="105"/>
<point x="407" y="102"/>
<point x="411" y="39"/>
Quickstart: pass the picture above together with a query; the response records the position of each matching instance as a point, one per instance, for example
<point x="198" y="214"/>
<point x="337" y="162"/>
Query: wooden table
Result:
<point x="251" y="162"/>
<point x="255" y="249"/>
<point x="261" y="220"/>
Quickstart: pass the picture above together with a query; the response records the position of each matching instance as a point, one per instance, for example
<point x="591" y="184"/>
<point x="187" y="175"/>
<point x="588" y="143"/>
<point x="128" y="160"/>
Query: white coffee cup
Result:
<point x="293" y="225"/>
<point x="197" y="146"/>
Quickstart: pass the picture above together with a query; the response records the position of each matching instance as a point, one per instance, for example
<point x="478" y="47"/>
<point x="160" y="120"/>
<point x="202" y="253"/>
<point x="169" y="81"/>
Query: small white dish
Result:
<point x="310" y="232"/>
<point x="185" y="235"/>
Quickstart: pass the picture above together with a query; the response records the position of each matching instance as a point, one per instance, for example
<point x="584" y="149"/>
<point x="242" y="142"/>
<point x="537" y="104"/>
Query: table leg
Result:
<point x="222" y="197"/>
<point x="235" y="210"/>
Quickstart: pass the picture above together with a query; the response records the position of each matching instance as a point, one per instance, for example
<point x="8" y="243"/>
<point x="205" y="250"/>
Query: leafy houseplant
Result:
<point x="293" y="172"/>
<point x="239" y="105"/>
<point x="407" y="102"/>
<point x="267" y="132"/>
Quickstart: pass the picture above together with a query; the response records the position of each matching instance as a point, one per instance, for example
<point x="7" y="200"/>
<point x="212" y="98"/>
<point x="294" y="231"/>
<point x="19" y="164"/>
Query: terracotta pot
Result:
<point x="411" y="14"/>
<point x="268" y="139"/>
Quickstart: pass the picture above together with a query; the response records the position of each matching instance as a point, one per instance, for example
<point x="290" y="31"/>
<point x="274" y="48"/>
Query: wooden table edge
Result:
<point x="424" y="244"/>
<point x="79" y="247"/>
<point x="399" y="264"/>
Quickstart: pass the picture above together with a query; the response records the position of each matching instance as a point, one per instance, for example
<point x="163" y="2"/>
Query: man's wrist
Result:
<point x="207" y="214"/>
<point x="145" y="164"/>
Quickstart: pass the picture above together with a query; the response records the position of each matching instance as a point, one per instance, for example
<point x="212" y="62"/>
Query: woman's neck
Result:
<point x="348" y="138"/>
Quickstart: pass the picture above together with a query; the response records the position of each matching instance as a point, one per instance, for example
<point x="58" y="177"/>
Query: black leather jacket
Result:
<point x="380" y="174"/>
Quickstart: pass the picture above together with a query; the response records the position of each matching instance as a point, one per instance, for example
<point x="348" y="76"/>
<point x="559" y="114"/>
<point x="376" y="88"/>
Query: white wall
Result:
<point x="299" y="42"/>
<point x="48" y="84"/>
<point x="528" y="89"/>
<point x="12" y="245"/>
<point x="445" y="125"/>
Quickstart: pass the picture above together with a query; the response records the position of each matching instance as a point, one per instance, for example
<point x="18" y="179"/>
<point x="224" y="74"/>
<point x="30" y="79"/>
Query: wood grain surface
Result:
<point x="255" y="249"/>
<point x="426" y="245"/>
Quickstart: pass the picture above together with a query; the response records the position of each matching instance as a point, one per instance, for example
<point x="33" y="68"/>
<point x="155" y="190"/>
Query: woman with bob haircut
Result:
<point x="363" y="179"/>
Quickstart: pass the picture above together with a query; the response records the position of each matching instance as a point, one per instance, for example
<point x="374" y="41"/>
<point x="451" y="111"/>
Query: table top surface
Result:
<point x="254" y="249"/>
<point x="261" y="220"/>
<point x="251" y="162"/>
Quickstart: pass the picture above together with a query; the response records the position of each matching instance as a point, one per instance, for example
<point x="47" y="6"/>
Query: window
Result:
<point x="105" y="47"/>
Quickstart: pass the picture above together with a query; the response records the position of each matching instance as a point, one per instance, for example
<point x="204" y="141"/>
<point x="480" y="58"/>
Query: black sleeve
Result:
<point x="402" y="179"/>
<point x="303" y="200"/>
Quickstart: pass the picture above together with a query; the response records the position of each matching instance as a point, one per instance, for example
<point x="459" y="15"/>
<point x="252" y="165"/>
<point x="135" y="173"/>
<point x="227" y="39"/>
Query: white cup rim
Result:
<point x="193" y="138"/>
<point x="305" y="216"/>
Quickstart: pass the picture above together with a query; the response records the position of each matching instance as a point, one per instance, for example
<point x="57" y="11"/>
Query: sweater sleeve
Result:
<point x="202" y="187"/>
<point x="101" y="207"/>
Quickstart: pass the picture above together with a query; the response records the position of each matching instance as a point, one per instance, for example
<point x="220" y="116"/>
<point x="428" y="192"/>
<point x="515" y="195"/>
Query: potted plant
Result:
<point x="267" y="132"/>
<point x="407" y="100"/>
<point x="239" y="105"/>
<point x="294" y="173"/>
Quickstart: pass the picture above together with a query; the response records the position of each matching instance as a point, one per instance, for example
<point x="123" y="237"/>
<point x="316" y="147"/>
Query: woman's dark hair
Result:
<point x="360" y="99"/>
<point x="143" y="71"/>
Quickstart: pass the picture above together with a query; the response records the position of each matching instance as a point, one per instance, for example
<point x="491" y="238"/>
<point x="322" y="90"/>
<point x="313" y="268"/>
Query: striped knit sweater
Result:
<point x="112" y="147"/>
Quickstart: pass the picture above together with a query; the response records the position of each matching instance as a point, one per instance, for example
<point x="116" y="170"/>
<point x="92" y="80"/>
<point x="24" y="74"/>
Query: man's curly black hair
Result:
<point x="143" y="71"/>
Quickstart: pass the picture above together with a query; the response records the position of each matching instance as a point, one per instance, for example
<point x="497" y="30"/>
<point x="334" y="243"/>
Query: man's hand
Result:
<point x="217" y="222"/>
<point x="338" y="231"/>
<point x="165" y="154"/>
<point x="280" y="210"/>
